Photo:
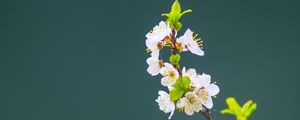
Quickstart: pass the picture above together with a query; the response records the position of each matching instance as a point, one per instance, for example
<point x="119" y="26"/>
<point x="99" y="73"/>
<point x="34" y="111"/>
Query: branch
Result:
<point x="206" y="114"/>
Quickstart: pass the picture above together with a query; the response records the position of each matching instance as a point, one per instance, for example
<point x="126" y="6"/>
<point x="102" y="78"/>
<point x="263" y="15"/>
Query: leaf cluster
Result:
<point x="241" y="113"/>
<point x="181" y="87"/>
<point x="175" y="15"/>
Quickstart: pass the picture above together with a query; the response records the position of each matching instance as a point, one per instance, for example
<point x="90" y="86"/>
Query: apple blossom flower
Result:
<point x="188" y="41"/>
<point x="155" y="38"/>
<point x="170" y="74"/>
<point x="165" y="104"/>
<point x="205" y="90"/>
<point x="154" y="65"/>
<point x="190" y="103"/>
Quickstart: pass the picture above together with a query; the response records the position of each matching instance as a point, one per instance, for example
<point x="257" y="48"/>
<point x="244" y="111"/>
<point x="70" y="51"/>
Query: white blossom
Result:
<point x="190" y="103"/>
<point x="205" y="90"/>
<point x="188" y="41"/>
<point x="170" y="74"/>
<point x="154" y="65"/>
<point x="155" y="38"/>
<point x="165" y="104"/>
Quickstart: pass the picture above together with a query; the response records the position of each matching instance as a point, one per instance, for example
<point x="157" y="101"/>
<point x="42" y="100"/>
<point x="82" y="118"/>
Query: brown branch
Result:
<point x="206" y="114"/>
<point x="174" y="51"/>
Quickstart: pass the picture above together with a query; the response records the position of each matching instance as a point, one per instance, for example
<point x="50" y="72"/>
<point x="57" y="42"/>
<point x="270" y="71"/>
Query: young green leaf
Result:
<point x="174" y="59"/>
<point x="241" y="113"/>
<point x="176" y="93"/>
<point x="174" y="15"/>
<point x="180" y="87"/>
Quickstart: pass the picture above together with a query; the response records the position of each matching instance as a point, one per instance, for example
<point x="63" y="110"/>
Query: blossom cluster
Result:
<point x="188" y="90"/>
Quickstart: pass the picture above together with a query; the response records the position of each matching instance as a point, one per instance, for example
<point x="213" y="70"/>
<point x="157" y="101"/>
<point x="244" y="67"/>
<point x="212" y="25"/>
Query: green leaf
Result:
<point x="186" y="81"/>
<point x="233" y="105"/>
<point x="174" y="59"/>
<point x="183" y="83"/>
<point x="180" y="87"/>
<point x="174" y="15"/>
<point x="250" y="110"/>
<point x="241" y="113"/>
<point x="227" y="111"/>
<point x="176" y="8"/>
<point x="176" y="93"/>
<point x="186" y="11"/>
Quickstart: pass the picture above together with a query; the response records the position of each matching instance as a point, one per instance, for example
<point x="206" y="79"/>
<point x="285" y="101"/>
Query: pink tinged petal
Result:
<point x="212" y="89"/>
<point x="209" y="103"/>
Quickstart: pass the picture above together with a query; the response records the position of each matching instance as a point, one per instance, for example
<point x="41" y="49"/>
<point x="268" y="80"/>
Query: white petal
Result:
<point x="180" y="103"/>
<point x="172" y="112"/>
<point x="205" y="79"/>
<point x="196" y="50"/>
<point x="212" y="89"/>
<point x="155" y="53"/>
<point x="168" y="65"/>
<point x="164" y="71"/>
<point x="188" y="112"/>
<point x="209" y="103"/>
<point x="162" y="93"/>
<point x="184" y="71"/>
<point x="154" y="67"/>
<point x="167" y="81"/>
<point x="170" y="88"/>
<point x="153" y="70"/>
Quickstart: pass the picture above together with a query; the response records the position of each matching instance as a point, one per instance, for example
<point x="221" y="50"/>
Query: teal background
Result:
<point x="85" y="60"/>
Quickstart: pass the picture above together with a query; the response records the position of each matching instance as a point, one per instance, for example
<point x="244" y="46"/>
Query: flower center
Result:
<point x="161" y="63"/>
<point x="202" y="94"/>
<point x="172" y="74"/>
<point x="160" y="45"/>
<point x="191" y="99"/>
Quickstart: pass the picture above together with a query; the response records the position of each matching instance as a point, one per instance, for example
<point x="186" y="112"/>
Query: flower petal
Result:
<point x="212" y="89"/>
<point x="209" y="103"/>
<point x="188" y="112"/>
<point x="205" y="79"/>
<point x="196" y="50"/>
<point x="154" y="67"/>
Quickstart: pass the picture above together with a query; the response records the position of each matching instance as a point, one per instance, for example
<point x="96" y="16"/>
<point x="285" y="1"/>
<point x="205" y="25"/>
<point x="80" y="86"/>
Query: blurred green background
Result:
<point x="85" y="60"/>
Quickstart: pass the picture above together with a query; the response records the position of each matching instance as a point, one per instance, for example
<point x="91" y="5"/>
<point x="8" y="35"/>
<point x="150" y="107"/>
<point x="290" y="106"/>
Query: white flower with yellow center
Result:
<point x="170" y="74"/>
<point x="155" y="38"/>
<point x="190" y="103"/>
<point x="205" y="90"/>
<point x="188" y="41"/>
<point x="165" y="104"/>
<point x="154" y="65"/>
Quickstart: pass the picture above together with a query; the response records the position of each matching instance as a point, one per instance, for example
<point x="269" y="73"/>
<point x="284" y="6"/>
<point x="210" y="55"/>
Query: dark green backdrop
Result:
<point x="85" y="60"/>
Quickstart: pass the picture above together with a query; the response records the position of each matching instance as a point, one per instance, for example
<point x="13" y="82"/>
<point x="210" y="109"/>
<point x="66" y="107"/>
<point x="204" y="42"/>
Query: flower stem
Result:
<point x="206" y="114"/>
<point x="174" y="51"/>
